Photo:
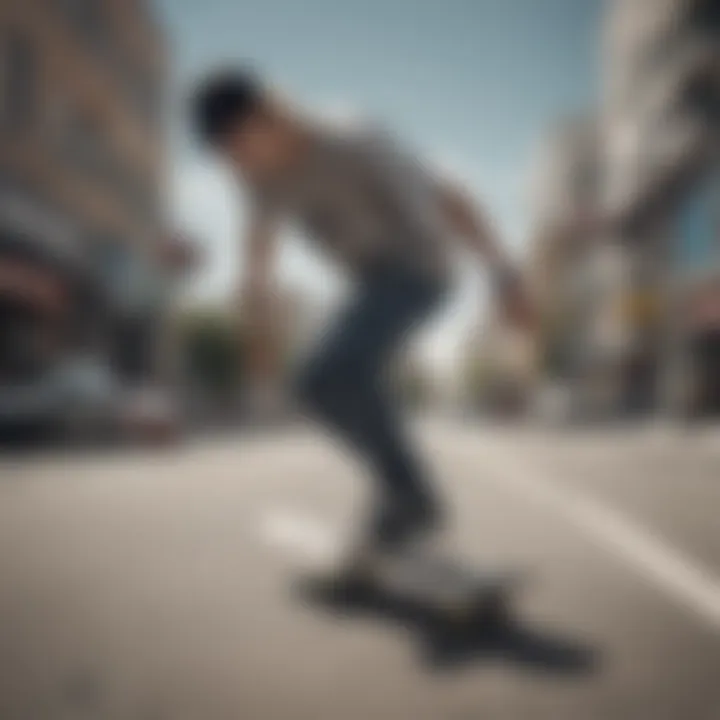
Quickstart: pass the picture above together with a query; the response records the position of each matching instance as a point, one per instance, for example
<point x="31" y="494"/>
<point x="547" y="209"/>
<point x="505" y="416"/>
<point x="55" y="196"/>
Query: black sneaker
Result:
<point x="392" y="531"/>
<point x="399" y="526"/>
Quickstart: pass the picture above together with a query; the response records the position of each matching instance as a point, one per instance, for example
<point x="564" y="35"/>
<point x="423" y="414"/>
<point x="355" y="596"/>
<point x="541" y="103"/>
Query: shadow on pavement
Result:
<point x="445" y="645"/>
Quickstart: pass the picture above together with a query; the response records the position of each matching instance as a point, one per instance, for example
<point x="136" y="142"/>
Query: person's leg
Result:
<point x="408" y="501"/>
<point x="345" y="385"/>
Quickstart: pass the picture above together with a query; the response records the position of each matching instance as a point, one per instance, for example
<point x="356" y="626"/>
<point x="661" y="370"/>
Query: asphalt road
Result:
<point x="161" y="586"/>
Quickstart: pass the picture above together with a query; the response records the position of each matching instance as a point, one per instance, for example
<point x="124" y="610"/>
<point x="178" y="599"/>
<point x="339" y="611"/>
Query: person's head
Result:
<point x="235" y="115"/>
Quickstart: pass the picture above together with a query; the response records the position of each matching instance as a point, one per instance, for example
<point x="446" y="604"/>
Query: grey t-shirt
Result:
<point x="365" y="200"/>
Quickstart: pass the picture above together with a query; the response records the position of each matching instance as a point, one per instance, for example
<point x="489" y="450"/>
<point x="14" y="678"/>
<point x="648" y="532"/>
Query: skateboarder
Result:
<point x="390" y="224"/>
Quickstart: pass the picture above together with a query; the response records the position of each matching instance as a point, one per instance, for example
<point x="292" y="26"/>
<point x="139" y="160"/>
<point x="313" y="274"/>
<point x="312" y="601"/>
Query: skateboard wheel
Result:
<point x="495" y="613"/>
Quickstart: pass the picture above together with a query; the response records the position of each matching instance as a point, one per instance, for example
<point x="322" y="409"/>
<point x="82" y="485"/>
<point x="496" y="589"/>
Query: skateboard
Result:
<point x="442" y="590"/>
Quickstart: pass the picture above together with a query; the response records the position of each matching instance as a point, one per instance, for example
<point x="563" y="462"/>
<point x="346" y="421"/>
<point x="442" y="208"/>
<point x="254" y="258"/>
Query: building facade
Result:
<point x="629" y="319"/>
<point x="578" y="275"/>
<point x="82" y="86"/>
<point x="697" y="283"/>
<point x="661" y="111"/>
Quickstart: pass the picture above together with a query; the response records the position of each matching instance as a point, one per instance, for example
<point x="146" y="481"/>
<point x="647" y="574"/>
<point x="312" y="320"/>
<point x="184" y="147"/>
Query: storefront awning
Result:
<point x="28" y="226"/>
<point x="32" y="285"/>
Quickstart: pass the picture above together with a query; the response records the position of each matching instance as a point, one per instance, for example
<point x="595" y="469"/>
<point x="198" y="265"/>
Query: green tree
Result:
<point x="478" y="379"/>
<point x="212" y="352"/>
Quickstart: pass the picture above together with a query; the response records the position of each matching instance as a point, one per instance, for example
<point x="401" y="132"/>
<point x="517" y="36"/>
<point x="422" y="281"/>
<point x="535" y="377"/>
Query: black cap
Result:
<point x="223" y="101"/>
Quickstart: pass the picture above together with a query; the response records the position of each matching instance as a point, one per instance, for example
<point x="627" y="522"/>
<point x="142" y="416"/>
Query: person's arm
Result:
<point x="430" y="207"/>
<point x="471" y="223"/>
<point x="256" y="277"/>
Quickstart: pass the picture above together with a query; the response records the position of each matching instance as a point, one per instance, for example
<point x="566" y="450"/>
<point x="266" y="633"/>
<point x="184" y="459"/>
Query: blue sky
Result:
<point x="473" y="84"/>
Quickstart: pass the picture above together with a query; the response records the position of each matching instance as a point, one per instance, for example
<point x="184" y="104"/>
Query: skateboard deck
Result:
<point x="445" y="589"/>
<point x="454" y="589"/>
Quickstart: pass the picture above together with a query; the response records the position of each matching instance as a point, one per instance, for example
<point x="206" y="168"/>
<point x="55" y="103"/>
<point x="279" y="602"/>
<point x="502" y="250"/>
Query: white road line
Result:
<point x="311" y="540"/>
<point x="677" y="575"/>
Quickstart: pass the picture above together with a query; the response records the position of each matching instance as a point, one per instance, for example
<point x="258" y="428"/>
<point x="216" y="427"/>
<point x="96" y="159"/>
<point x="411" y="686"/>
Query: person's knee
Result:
<point x="313" y="387"/>
<point x="321" y="380"/>
<point x="307" y="387"/>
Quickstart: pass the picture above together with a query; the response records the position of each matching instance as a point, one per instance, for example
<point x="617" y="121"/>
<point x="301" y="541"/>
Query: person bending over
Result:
<point x="385" y="219"/>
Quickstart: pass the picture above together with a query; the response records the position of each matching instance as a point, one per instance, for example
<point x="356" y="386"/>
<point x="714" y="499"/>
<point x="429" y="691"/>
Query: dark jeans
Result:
<point x="346" y="383"/>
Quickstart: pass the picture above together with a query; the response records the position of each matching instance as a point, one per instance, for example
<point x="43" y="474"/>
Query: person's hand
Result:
<point x="516" y="305"/>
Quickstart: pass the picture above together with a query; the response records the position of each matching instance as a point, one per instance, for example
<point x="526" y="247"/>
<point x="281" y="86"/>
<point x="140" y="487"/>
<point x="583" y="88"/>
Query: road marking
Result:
<point x="298" y="533"/>
<point x="686" y="581"/>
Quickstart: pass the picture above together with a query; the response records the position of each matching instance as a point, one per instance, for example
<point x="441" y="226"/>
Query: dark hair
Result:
<point x="224" y="101"/>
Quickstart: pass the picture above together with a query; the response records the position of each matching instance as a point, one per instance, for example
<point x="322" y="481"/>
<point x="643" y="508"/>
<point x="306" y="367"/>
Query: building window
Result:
<point x="704" y="17"/>
<point x="148" y="102"/>
<point x="19" y="82"/>
<point x="701" y="95"/>
<point x="698" y="228"/>
<point x="80" y="138"/>
<point x="141" y="91"/>
<point x="86" y="16"/>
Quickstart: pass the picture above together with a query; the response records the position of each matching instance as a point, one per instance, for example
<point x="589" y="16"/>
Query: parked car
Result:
<point x="75" y="399"/>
